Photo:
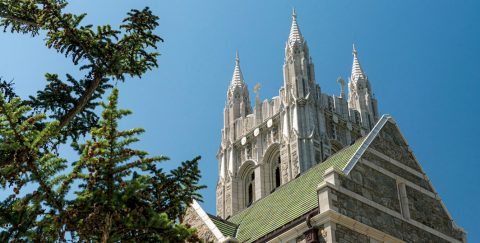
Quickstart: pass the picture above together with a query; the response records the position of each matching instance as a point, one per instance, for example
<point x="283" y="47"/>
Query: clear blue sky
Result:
<point x="422" y="57"/>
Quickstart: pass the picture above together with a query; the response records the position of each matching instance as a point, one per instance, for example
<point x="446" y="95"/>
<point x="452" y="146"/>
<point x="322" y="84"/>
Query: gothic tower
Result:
<point x="281" y="138"/>
<point x="237" y="107"/>
<point x="299" y="90"/>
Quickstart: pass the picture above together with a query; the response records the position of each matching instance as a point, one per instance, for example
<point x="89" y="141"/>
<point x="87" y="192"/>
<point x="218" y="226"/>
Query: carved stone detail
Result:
<point x="311" y="236"/>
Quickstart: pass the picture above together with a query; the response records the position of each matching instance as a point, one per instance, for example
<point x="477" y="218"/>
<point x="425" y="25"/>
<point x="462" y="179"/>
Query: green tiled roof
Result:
<point x="288" y="202"/>
<point x="227" y="228"/>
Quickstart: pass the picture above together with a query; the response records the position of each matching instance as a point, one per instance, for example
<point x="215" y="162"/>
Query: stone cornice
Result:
<point x="333" y="216"/>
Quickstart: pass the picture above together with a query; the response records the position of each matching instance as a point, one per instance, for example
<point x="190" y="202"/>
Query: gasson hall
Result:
<point x="306" y="166"/>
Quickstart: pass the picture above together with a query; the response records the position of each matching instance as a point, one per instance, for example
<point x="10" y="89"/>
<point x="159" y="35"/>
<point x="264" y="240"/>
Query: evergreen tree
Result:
<point x="112" y="192"/>
<point x="121" y="193"/>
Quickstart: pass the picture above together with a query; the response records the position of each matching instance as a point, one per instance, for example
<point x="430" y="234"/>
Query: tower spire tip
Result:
<point x="237" y="73"/>
<point x="295" y="34"/>
<point x="356" y="68"/>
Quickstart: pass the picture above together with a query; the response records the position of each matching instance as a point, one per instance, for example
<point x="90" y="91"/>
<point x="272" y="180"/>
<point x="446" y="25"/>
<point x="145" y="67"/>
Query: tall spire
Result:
<point x="295" y="34"/>
<point x="237" y="78"/>
<point x="357" y="70"/>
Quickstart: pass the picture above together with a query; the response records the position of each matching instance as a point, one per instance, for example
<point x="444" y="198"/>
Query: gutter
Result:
<point x="291" y="225"/>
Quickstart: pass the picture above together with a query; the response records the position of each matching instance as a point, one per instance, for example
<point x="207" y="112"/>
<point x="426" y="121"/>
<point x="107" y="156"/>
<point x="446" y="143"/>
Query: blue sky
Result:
<point x="422" y="58"/>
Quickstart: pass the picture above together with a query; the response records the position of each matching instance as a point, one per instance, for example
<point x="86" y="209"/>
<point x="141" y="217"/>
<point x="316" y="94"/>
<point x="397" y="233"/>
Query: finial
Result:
<point x="354" y="51"/>
<point x="341" y="81"/>
<point x="294" y="14"/>
<point x="237" y="58"/>
<point x="256" y="90"/>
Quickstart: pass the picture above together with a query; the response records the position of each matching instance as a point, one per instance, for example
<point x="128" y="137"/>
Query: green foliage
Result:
<point x="102" y="53"/>
<point x="112" y="192"/>
<point x="119" y="192"/>
<point x="122" y="192"/>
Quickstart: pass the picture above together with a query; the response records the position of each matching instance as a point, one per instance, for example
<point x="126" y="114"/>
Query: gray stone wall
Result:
<point x="346" y="235"/>
<point x="192" y="219"/>
<point x="382" y="221"/>
<point x="391" y="143"/>
<point x="372" y="185"/>
<point x="430" y="212"/>
<point x="397" y="170"/>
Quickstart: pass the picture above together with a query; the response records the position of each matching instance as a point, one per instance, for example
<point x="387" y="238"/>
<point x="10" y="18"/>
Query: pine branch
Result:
<point x="82" y="102"/>
<point x="106" y="54"/>
<point x="18" y="20"/>
<point x="25" y="154"/>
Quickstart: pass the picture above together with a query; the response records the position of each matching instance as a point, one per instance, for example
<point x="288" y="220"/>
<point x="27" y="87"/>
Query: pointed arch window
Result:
<point x="276" y="173"/>
<point x="250" y="194"/>
<point x="250" y="188"/>
<point x="277" y="177"/>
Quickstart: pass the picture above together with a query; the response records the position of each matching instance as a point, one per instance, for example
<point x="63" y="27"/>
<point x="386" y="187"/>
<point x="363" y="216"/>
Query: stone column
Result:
<point x="325" y="204"/>
<point x="402" y="191"/>
<point x="325" y="196"/>
<point x="329" y="232"/>
<point x="259" y="188"/>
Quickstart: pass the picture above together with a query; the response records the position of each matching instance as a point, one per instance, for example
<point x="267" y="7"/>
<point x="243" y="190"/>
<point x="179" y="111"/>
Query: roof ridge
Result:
<point x="366" y="143"/>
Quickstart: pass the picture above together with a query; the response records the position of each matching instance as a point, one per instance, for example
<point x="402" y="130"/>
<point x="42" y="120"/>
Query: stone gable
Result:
<point x="391" y="142"/>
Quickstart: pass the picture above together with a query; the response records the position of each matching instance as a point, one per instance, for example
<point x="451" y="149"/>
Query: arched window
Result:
<point x="250" y="194"/>
<point x="272" y="171"/>
<point x="250" y="186"/>
<point x="276" y="173"/>
<point x="277" y="177"/>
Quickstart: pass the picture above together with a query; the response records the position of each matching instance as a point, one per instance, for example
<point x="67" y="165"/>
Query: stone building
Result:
<point x="310" y="167"/>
